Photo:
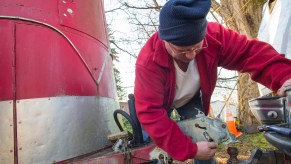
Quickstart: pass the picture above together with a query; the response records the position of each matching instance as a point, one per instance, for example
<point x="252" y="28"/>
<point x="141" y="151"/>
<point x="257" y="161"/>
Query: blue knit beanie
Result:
<point x="183" y="22"/>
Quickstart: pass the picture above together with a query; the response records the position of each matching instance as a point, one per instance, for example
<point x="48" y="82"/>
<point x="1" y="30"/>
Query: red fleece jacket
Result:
<point x="155" y="80"/>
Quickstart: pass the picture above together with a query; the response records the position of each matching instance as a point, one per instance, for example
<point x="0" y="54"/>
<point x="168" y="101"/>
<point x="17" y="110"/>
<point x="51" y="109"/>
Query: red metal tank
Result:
<point x="57" y="90"/>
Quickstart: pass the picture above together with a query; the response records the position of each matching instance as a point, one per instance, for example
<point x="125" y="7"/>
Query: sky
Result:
<point x="126" y="64"/>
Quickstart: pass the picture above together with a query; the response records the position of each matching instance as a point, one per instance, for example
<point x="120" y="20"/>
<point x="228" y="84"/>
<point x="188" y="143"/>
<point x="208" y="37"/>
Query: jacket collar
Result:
<point x="161" y="55"/>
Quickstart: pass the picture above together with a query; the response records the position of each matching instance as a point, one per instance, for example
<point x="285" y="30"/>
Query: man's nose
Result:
<point x="191" y="55"/>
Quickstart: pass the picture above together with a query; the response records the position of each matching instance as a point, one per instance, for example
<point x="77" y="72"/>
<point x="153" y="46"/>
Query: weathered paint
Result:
<point x="7" y="60"/>
<point x="57" y="73"/>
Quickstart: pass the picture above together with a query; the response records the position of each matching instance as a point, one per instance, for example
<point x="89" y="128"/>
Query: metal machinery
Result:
<point x="57" y="89"/>
<point x="274" y="113"/>
<point x="136" y="147"/>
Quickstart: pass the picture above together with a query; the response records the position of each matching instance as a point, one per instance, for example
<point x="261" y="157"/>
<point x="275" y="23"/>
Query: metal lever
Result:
<point x="281" y="130"/>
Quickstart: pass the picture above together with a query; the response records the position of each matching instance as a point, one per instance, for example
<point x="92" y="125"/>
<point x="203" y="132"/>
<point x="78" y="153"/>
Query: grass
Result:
<point x="256" y="140"/>
<point x="251" y="141"/>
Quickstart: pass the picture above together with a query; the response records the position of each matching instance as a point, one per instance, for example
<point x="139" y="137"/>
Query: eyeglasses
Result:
<point x="196" y="50"/>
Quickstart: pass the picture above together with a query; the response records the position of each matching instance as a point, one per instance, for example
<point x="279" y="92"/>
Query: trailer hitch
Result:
<point x="257" y="156"/>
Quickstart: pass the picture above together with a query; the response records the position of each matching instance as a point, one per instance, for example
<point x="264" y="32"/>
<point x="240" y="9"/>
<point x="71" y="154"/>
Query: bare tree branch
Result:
<point x="230" y="78"/>
<point x="142" y="26"/>
<point x="121" y="49"/>
<point x="157" y="7"/>
<point x="113" y="10"/>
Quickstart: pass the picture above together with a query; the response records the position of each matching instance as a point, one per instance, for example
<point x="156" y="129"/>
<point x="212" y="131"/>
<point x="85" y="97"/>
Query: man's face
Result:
<point x="185" y="53"/>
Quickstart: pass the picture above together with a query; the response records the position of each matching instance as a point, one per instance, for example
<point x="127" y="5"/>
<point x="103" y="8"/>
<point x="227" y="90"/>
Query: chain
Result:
<point x="126" y="152"/>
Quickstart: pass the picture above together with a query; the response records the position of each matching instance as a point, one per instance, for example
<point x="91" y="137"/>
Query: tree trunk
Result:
<point x="244" y="16"/>
<point x="247" y="89"/>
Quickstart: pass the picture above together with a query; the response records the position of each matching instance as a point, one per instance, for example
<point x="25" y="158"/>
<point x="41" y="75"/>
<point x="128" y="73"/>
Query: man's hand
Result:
<point x="281" y="92"/>
<point x="206" y="150"/>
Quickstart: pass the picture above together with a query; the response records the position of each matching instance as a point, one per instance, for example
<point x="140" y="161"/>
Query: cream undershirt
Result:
<point x="187" y="84"/>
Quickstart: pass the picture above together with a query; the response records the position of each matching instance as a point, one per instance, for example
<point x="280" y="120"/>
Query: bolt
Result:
<point x="161" y="156"/>
<point x="65" y="15"/>
<point x="64" y="1"/>
<point x="70" y="11"/>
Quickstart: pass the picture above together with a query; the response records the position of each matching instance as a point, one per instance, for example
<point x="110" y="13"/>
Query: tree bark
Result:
<point x="243" y="16"/>
<point x="247" y="89"/>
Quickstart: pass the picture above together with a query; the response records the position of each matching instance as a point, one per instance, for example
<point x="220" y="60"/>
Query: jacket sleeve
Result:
<point x="264" y="64"/>
<point x="149" y="98"/>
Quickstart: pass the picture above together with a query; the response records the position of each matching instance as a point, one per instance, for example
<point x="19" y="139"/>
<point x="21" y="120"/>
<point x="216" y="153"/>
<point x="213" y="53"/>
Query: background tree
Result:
<point x="120" y="90"/>
<point x="244" y="17"/>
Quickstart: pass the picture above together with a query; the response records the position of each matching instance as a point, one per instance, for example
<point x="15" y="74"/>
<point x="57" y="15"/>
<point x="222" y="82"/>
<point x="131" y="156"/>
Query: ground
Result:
<point x="248" y="142"/>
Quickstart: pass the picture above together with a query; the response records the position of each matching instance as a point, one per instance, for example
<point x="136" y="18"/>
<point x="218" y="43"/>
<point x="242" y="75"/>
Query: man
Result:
<point x="177" y="68"/>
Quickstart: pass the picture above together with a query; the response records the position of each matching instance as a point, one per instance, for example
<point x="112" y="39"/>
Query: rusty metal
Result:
<point x="160" y="156"/>
<point x="84" y="155"/>
<point x="122" y="146"/>
<point x="138" y="155"/>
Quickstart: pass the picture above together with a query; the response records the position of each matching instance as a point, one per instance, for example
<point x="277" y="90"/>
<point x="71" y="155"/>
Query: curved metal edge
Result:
<point x="97" y="81"/>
